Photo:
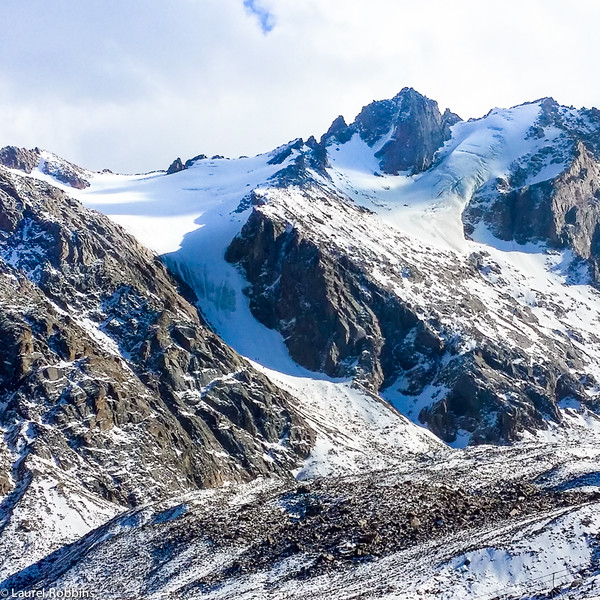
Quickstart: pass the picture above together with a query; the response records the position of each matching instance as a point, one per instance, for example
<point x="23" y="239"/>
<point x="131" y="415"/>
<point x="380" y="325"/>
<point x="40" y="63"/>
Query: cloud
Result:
<point x="132" y="85"/>
<point x="265" y="18"/>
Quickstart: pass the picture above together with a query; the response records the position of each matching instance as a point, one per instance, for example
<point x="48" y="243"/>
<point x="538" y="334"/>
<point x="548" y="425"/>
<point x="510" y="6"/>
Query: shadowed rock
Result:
<point x="409" y="128"/>
<point x="105" y="363"/>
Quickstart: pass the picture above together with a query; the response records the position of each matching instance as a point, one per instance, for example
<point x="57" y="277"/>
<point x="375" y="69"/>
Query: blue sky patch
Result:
<point x="265" y="18"/>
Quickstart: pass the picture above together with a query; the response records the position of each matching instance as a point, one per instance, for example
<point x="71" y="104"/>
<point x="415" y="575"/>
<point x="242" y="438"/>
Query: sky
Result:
<point x="130" y="85"/>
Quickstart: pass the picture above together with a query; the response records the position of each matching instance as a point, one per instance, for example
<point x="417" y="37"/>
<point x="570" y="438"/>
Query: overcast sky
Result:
<point x="131" y="84"/>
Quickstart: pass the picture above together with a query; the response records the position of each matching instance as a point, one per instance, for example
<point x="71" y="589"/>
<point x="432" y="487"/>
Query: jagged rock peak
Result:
<point x="20" y="158"/>
<point x="60" y="169"/>
<point x="282" y="152"/>
<point x="191" y="161"/>
<point x="178" y="165"/>
<point x="175" y="166"/>
<point x="338" y="131"/>
<point x="409" y="128"/>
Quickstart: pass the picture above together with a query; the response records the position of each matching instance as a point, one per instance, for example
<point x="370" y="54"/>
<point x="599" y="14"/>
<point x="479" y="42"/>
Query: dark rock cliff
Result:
<point x="108" y="371"/>
<point x="561" y="211"/>
<point x="412" y="123"/>
<point x="335" y="317"/>
<point x="58" y="168"/>
<point x="175" y="166"/>
<point x="332" y="317"/>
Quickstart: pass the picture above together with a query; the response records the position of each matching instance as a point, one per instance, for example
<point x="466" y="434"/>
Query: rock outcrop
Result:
<point x="19" y="158"/>
<point x="108" y="371"/>
<point x="562" y="211"/>
<point x="409" y="128"/>
<point x="175" y="166"/>
<point x="344" y="310"/>
<point x="332" y="316"/>
<point x="48" y="163"/>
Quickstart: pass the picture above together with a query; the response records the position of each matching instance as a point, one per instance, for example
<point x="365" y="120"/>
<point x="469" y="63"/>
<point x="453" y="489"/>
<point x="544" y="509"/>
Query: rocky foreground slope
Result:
<point x="503" y="524"/>
<point x="409" y="264"/>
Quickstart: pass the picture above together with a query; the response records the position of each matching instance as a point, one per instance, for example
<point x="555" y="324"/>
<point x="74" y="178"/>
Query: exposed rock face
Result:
<point x="561" y="211"/>
<point x="178" y="165"/>
<point x="107" y="370"/>
<point x="190" y="161"/>
<point x="50" y="164"/>
<point x="410" y="126"/>
<point x="286" y="151"/>
<point x="304" y="160"/>
<point x="338" y="131"/>
<point x="175" y="166"/>
<point x="338" y="317"/>
<point x="333" y="318"/>
<point x="19" y="158"/>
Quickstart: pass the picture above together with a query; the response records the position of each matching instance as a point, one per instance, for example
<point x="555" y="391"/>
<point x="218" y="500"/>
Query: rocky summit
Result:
<point x="405" y="131"/>
<point x="368" y="362"/>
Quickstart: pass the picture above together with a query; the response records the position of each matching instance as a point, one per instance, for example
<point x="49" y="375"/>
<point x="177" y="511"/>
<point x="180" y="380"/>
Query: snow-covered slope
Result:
<point x="410" y="241"/>
<point x="113" y="391"/>
<point x="190" y="217"/>
<point x="406" y="313"/>
<point x="429" y="205"/>
<point x="469" y="525"/>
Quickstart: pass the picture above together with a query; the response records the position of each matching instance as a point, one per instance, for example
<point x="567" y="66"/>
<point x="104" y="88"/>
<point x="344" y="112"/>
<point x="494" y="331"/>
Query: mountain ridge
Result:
<point x="414" y="297"/>
<point x="534" y="144"/>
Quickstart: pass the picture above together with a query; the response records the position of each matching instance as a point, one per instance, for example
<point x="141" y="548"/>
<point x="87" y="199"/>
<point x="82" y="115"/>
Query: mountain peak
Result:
<point x="20" y="158"/>
<point x="409" y="92"/>
<point x="47" y="163"/>
<point x="338" y="131"/>
<point x="362" y="306"/>
<point x="405" y="130"/>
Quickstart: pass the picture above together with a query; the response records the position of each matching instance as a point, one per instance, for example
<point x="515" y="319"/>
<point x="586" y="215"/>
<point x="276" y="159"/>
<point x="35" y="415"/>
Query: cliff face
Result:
<point x="107" y="370"/>
<point x="550" y="196"/>
<point x="408" y="129"/>
<point x="334" y="319"/>
<point x="413" y="323"/>
<point x="49" y="164"/>
<point x="563" y="212"/>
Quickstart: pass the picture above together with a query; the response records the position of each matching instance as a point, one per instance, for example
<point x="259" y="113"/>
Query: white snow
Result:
<point x="356" y="430"/>
<point x="429" y="205"/>
<point x="415" y="227"/>
<point x="54" y="510"/>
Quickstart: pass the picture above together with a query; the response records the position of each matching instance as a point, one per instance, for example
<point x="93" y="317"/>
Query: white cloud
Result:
<point x="130" y="85"/>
